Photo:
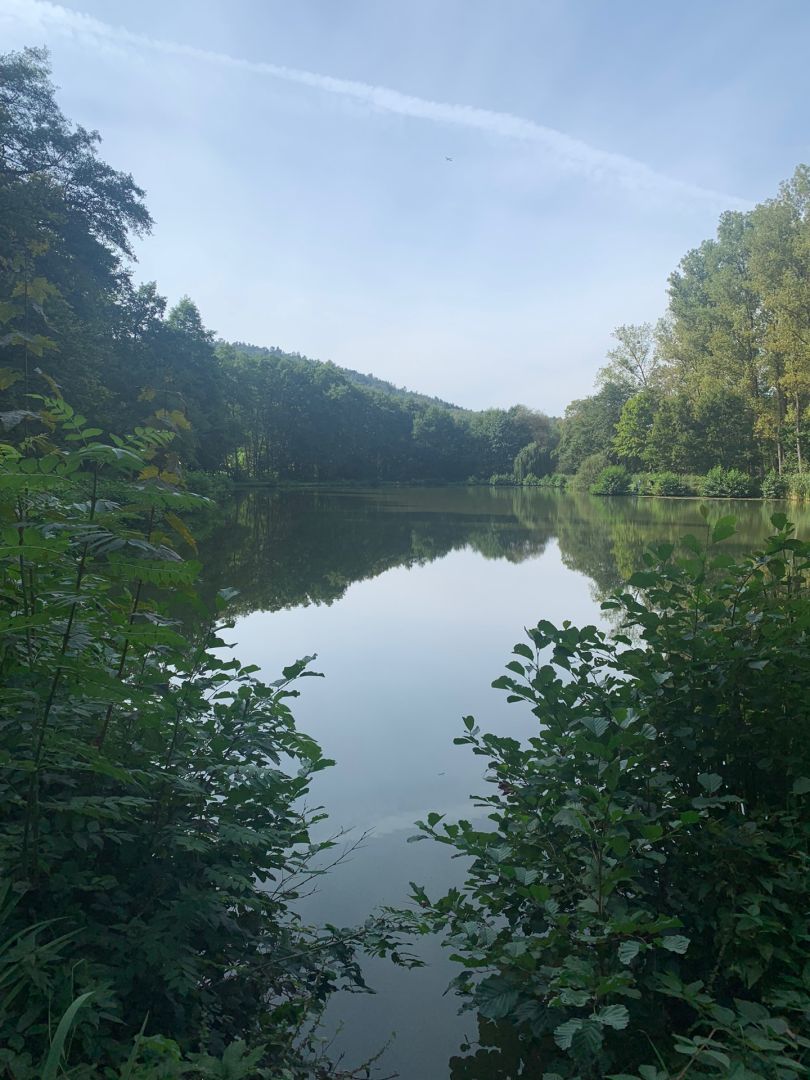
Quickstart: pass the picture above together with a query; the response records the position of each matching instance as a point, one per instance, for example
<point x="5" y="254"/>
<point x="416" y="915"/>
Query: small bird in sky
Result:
<point x="447" y="158"/>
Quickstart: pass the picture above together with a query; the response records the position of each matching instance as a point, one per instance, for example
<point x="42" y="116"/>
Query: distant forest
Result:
<point x="72" y="315"/>
<point x="723" y="380"/>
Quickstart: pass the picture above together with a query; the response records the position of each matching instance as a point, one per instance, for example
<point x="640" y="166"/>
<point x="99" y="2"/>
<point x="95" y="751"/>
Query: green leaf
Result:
<point x="801" y="786"/>
<point x="564" y="1034"/>
<point x="628" y="951"/>
<point x="589" y="1038"/>
<point x="620" y="845"/>
<point x="674" y="943"/>
<point x="52" y="1062"/>
<point x="614" y="1016"/>
<point x="709" y="781"/>
<point x="725" y="527"/>
<point x="596" y="724"/>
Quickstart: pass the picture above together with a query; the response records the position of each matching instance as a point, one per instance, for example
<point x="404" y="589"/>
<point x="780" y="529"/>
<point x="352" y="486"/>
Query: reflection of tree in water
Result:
<point x="286" y="549"/>
<point x="606" y="538"/>
<point x="498" y="1054"/>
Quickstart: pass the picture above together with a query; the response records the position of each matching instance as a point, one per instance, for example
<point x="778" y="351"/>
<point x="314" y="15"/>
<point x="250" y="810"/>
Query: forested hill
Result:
<point x="290" y="417"/>
<point x="73" y="320"/>
<point x="369" y="381"/>
<point x="720" y="387"/>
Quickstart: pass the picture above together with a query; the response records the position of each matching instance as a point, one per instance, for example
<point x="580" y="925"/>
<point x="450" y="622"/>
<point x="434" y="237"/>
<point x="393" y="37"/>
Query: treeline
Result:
<point x="289" y="417"/>
<point x="71" y="312"/>
<point x="723" y="380"/>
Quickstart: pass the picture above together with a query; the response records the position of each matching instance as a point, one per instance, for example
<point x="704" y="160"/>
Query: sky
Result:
<point x="295" y="159"/>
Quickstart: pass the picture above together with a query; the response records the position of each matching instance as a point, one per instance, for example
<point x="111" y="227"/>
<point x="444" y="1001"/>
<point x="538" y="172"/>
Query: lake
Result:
<point x="412" y="599"/>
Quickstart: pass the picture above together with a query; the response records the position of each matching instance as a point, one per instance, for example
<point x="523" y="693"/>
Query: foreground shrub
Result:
<point x="720" y="483"/>
<point x="614" y="480"/>
<point x="636" y="904"/>
<point x="152" y="837"/>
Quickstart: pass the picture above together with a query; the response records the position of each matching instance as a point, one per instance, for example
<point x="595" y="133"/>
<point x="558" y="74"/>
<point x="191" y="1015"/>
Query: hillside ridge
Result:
<point x="367" y="381"/>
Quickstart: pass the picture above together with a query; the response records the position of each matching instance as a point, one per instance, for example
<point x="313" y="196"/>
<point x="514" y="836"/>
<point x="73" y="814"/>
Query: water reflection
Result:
<point x="413" y="599"/>
<point x="288" y="549"/>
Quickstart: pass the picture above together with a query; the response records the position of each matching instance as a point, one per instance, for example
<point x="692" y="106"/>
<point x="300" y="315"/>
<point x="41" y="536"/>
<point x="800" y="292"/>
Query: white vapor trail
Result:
<point x="566" y="152"/>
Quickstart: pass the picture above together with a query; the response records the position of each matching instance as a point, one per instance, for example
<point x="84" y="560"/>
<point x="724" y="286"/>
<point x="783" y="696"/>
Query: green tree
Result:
<point x="589" y="425"/>
<point x="631" y="441"/>
<point x="634" y="361"/>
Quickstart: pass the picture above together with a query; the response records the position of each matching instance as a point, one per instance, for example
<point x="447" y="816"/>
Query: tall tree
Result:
<point x="633" y="362"/>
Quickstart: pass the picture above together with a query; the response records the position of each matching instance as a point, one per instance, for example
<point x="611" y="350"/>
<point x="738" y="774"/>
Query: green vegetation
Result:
<point x="636" y="906"/>
<point x="723" y="380"/>
<point x="69" y="305"/>
<point x="153" y="839"/>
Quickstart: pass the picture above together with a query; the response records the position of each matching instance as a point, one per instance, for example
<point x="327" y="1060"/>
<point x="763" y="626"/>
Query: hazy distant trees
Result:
<point x="68" y="307"/>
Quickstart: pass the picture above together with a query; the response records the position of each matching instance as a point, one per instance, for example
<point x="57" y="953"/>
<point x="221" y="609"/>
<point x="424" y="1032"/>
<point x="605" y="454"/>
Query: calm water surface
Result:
<point x="413" y="598"/>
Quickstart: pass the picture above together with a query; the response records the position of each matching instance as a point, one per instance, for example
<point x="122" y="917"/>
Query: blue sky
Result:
<point x="294" y="157"/>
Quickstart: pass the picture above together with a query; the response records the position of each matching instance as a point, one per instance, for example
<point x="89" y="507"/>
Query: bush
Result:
<point x="720" y="483"/>
<point x="774" y="486"/>
<point x="614" y="480"/>
<point x="669" y="483"/>
<point x="640" y="483"/>
<point x="151" y="786"/>
<point x="798" y="485"/>
<point x="588" y="471"/>
<point x="503" y="480"/>
<point x="664" y="484"/>
<point x="634" y="904"/>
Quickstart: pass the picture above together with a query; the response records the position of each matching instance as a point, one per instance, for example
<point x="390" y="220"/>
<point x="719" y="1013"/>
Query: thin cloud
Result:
<point x="564" y="151"/>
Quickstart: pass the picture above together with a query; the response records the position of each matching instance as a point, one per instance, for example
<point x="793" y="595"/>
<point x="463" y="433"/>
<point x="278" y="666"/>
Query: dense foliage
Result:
<point x="292" y="418"/>
<point x="724" y="379"/>
<point x="153" y="836"/>
<point x="637" y="904"/>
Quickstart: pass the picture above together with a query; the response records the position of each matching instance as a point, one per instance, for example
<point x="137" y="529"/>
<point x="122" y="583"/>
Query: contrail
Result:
<point x="566" y="152"/>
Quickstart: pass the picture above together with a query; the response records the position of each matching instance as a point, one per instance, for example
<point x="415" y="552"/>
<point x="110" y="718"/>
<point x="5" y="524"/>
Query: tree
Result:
<point x="535" y="459"/>
<point x="589" y="425"/>
<point x="780" y="264"/>
<point x="633" y="362"/>
<point x="66" y="223"/>
<point x="630" y="443"/>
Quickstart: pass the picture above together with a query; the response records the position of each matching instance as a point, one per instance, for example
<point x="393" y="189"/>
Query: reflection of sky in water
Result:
<point x="406" y="655"/>
<point x="408" y="652"/>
